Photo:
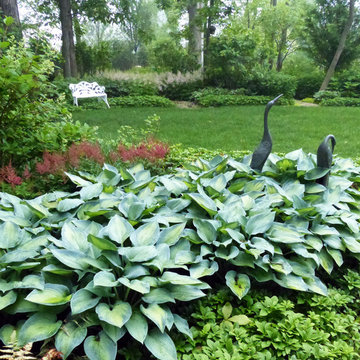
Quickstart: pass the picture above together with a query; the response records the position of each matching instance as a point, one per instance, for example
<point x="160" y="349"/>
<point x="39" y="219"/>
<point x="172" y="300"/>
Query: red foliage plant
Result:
<point x="85" y="150"/>
<point x="8" y="175"/>
<point x="151" y="150"/>
<point x="52" y="164"/>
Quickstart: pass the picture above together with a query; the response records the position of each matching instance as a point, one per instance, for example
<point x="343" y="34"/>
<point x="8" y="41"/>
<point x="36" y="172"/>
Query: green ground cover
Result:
<point x="239" y="128"/>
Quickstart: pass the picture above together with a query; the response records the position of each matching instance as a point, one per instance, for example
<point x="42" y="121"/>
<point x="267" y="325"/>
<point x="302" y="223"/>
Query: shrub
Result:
<point x="272" y="84"/>
<point x="347" y="83"/>
<point x="125" y="101"/>
<point x="325" y="95"/>
<point x="224" y="100"/>
<point x="113" y="260"/>
<point x="308" y="85"/>
<point x="340" y="101"/>
<point x="33" y="116"/>
<point x="196" y="95"/>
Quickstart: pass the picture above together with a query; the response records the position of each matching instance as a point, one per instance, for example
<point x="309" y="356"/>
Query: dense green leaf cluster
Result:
<point x="225" y="100"/>
<point x="341" y="101"/>
<point x="125" y="101"/>
<point x="115" y="257"/>
<point x="263" y="326"/>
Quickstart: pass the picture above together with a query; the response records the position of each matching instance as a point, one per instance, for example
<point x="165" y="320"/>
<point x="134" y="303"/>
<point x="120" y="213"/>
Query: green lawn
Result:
<point x="240" y="128"/>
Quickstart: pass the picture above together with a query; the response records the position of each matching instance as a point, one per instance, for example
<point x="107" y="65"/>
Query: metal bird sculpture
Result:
<point x="262" y="152"/>
<point x="324" y="157"/>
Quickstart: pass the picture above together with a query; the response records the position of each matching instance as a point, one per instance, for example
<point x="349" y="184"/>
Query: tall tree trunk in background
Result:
<point x="271" y="60"/>
<point x="68" y="46"/>
<point x="10" y="8"/>
<point x="340" y="48"/>
<point x="208" y="32"/>
<point x="195" y="39"/>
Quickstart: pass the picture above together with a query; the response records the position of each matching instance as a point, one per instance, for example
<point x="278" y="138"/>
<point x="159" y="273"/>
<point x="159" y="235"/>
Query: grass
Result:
<point x="240" y="128"/>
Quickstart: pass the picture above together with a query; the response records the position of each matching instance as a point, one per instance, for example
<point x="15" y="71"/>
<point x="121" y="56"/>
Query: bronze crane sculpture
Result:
<point x="324" y="157"/>
<point x="262" y="152"/>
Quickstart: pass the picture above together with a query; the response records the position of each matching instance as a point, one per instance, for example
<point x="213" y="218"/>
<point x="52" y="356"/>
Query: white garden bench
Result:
<point x="85" y="89"/>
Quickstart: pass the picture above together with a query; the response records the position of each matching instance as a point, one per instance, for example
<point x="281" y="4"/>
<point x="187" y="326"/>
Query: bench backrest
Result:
<point x="85" y="87"/>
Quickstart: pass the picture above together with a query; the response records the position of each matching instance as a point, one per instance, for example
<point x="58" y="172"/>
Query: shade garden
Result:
<point x="121" y="256"/>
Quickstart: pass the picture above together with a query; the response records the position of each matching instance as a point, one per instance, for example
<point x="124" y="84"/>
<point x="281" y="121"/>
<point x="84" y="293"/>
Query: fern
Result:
<point x="11" y="352"/>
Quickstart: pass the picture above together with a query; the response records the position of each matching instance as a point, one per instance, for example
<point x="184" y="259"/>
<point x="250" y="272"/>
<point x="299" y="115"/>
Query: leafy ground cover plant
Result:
<point x="227" y="100"/>
<point x="264" y="326"/>
<point x="117" y="257"/>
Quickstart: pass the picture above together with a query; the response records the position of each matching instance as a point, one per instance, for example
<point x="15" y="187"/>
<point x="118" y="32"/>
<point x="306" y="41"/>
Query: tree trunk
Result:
<point x="68" y="46"/>
<point x="10" y="8"/>
<point x="340" y="48"/>
<point x="195" y="39"/>
<point x="208" y="34"/>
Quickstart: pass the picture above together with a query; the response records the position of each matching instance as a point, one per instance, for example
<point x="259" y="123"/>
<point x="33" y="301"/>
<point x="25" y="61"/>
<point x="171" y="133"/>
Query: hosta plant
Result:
<point x="117" y="256"/>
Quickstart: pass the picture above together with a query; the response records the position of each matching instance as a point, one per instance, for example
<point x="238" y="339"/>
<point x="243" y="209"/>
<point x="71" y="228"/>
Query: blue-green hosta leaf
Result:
<point x="73" y="238"/>
<point x="77" y="180"/>
<point x="302" y="251"/>
<point x="160" y="345"/>
<point x="158" y="296"/>
<point x="324" y="230"/>
<point x="314" y="241"/>
<point x="91" y="191"/>
<point x="176" y="205"/>
<point x="291" y="282"/>
<point x="315" y="285"/>
<point x="18" y="256"/>
<point x="10" y="235"/>
<point x="156" y="314"/>
<point x="171" y="235"/>
<point x="100" y="347"/>
<point x="105" y="278"/>
<point x="174" y="278"/>
<point x="334" y="242"/>
<point x="336" y="255"/>
<point x="204" y="268"/>
<point x="185" y="292"/>
<point x="117" y="316"/>
<point x="101" y="243"/>
<point x="260" y="223"/>
<point x="314" y="188"/>
<point x="351" y="222"/>
<point x="239" y="284"/>
<point x="316" y="173"/>
<point x="83" y="300"/>
<point x="132" y="207"/>
<point x="280" y="233"/>
<point x="72" y="259"/>
<point x="352" y="244"/>
<point x="243" y="259"/>
<point x="261" y="244"/>
<point x="137" y="327"/>
<point x="135" y="271"/>
<point x="28" y="282"/>
<point x="7" y="299"/>
<point x="36" y="208"/>
<point x="8" y="334"/>
<point x="95" y="208"/>
<point x="184" y="257"/>
<point x="146" y="234"/>
<point x="68" y="204"/>
<point x="205" y="230"/>
<point x="227" y="253"/>
<point x="218" y="183"/>
<point x="118" y="229"/>
<point x="69" y="337"/>
<point x="113" y="332"/>
<point x="182" y="325"/>
<point x="280" y="264"/>
<point x="39" y="326"/>
<point x="254" y="185"/>
<point x="236" y="235"/>
<point x="52" y="295"/>
<point x="139" y="253"/>
<point x="233" y="212"/>
<point x="204" y="201"/>
<point x="136" y="285"/>
<point x="173" y="185"/>
<point x="326" y="261"/>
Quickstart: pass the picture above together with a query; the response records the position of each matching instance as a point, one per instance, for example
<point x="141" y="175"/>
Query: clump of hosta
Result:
<point x="117" y="256"/>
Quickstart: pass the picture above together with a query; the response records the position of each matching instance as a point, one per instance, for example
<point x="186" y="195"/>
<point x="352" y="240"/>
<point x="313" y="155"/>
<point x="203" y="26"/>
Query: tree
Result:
<point x="324" y="26"/>
<point x="10" y="8"/>
<point x="341" y="46"/>
<point x="68" y="46"/>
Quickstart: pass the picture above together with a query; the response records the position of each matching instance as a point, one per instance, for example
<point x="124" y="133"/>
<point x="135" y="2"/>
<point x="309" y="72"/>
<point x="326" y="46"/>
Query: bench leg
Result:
<point x="106" y="102"/>
<point x="76" y="101"/>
